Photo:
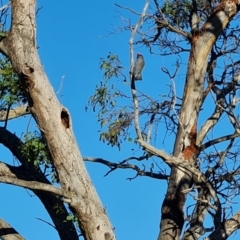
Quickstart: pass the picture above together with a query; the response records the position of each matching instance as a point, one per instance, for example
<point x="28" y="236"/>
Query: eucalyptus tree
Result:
<point x="208" y="32"/>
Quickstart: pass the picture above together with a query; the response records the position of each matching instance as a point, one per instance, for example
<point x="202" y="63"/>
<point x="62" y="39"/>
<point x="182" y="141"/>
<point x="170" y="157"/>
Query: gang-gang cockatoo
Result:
<point x="138" y="66"/>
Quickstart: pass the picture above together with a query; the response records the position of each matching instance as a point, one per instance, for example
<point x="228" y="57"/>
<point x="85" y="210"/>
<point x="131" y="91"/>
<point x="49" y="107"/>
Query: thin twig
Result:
<point x="125" y="165"/>
<point x="165" y="70"/>
<point x="6" y="120"/>
<point x="133" y="89"/>
<point x="61" y="84"/>
<point x="46" y="222"/>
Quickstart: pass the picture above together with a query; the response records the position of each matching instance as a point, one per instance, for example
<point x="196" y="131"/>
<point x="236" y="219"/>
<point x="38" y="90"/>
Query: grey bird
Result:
<point x="138" y="66"/>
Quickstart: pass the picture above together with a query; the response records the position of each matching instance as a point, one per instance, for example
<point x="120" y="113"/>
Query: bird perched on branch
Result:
<point x="138" y="66"/>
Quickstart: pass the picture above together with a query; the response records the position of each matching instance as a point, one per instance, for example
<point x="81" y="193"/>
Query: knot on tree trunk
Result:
<point x="26" y="76"/>
<point x="65" y="118"/>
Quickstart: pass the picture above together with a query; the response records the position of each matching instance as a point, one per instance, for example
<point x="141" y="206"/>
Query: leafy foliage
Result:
<point x="11" y="91"/>
<point x="111" y="66"/>
<point x="113" y="118"/>
<point x="36" y="151"/>
<point x="115" y="110"/>
<point x="177" y="12"/>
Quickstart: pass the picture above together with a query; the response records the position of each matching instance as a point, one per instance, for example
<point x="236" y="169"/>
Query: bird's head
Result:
<point x="139" y="55"/>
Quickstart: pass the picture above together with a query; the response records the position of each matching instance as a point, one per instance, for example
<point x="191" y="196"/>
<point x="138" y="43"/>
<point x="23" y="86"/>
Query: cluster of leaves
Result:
<point x="71" y="217"/>
<point x="177" y="12"/>
<point x="116" y="129"/>
<point x="11" y="91"/>
<point x="114" y="119"/>
<point x="74" y="219"/>
<point x="36" y="151"/>
<point x="111" y="66"/>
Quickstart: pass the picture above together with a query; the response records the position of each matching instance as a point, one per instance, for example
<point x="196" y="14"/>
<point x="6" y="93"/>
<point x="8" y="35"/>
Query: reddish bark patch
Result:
<point x="192" y="150"/>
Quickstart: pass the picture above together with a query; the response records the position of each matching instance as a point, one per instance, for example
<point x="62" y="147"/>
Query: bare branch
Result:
<point x="14" y="113"/>
<point x="176" y="30"/>
<point x="173" y="88"/>
<point x="167" y="25"/>
<point x="159" y="153"/>
<point x="7" y="232"/>
<point x="219" y="140"/>
<point x="124" y="165"/>
<point x="219" y="110"/>
<point x="228" y="227"/>
<point x="196" y="228"/>
<point x="33" y="185"/>
<point x="14" y="144"/>
<point x="127" y="8"/>
<point x="221" y="159"/>
<point x="46" y="223"/>
<point x="163" y="23"/>
<point x="5" y="6"/>
<point x="171" y="160"/>
<point x="209" y="124"/>
<point x="151" y="123"/>
<point x="133" y="89"/>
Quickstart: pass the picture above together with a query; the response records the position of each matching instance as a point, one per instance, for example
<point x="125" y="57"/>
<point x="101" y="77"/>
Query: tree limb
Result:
<point x="166" y="24"/>
<point x="14" y="113"/>
<point x="7" y="232"/>
<point x="66" y="229"/>
<point x="133" y="89"/>
<point x="211" y="121"/>
<point x="219" y="140"/>
<point x="33" y="185"/>
<point x="228" y="227"/>
<point x="123" y="165"/>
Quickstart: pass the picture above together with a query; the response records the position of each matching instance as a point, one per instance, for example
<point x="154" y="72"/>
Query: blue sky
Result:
<point x="71" y="36"/>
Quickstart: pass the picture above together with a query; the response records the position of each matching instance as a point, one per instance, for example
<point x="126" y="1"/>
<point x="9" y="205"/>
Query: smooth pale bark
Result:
<point x="13" y="113"/>
<point x="7" y="232"/>
<point x="202" y="41"/>
<point x="55" y="123"/>
<point x="228" y="227"/>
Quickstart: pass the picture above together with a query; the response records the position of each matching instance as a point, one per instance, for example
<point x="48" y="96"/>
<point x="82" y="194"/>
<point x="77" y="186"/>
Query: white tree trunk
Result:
<point x="55" y="123"/>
